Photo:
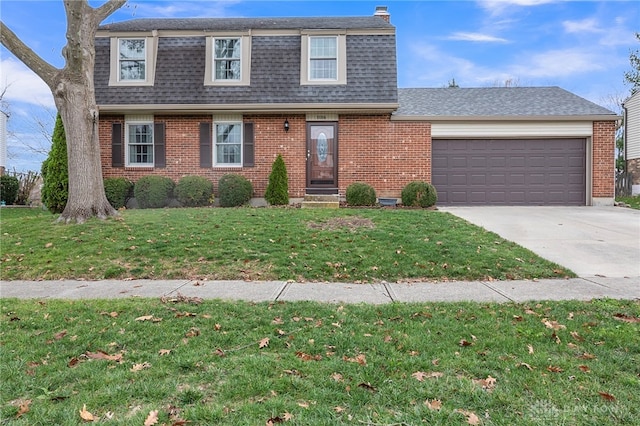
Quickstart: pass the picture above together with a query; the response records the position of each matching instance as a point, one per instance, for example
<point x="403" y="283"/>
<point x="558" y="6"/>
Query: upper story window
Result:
<point x="139" y="139"/>
<point x="324" y="58"/>
<point x="228" y="60"/>
<point x="132" y="59"/>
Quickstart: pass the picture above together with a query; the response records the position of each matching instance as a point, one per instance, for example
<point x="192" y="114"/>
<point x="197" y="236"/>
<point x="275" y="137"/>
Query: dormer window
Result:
<point x="228" y="60"/>
<point x="324" y="58"/>
<point x="132" y="59"/>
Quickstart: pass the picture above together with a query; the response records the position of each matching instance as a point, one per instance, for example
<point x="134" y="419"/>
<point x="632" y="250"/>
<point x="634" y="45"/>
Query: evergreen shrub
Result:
<point x="194" y="191"/>
<point x="277" y="193"/>
<point x="153" y="192"/>
<point x="9" y="186"/>
<point x="360" y="194"/>
<point x="419" y="194"/>
<point x="55" y="172"/>
<point x="118" y="191"/>
<point x="234" y="190"/>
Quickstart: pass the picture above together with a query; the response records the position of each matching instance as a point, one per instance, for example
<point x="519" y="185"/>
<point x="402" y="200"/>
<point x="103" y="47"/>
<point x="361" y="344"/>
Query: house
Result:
<point x="214" y="96"/>
<point x="632" y="139"/>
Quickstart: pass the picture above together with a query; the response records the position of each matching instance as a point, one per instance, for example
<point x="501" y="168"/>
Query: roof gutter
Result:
<point x="443" y="118"/>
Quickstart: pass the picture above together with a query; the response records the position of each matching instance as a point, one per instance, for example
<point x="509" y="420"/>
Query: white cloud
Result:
<point x="209" y="9"/>
<point x="558" y="63"/>
<point x="476" y="37"/>
<point x="497" y="7"/>
<point x="589" y="25"/>
<point x="23" y="85"/>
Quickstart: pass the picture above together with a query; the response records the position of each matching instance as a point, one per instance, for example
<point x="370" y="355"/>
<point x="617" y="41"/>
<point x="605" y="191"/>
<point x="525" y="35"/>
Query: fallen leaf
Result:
<point x="367" y="386"/>
<point x="145" y="318"/>
<point x="607" y="396"/>
<point x="287" y="416"/>
<point x="163" y="352"/>
<point x="530" y="349"/>
<point x="264" y="343"/>
<point x="303" y="404"/>
<point x="274" y="420"/>
<point x="60" y="335"/>
<point x="576" y="336"/>
<point x="48" y="245"/>
<point x="524" y="364"/>
<point x="584" y="368"/>
<point x="626" y="318"/>
<point x="23" y="408"/>
<point x="193" y="332"/>
<point x="140" y="367"/>
<point x="487" y="384"/>
<point x="338" y="409"/>
<point x="554" y="369"/>
<point x="465" y="342"/>
<point x="553" y="324"/>
<point x="472" y="418"/>
<point x="336" y="377"/>
<point x="277" y="321"/>
<point x="103" y="355"/>
<point x="73" y="362"/>
<point x="587" y="355"/>
<point x="85" y="415"/>
<point x="419" y="375"/>
<point x="152" y="418"/>
<point x="306" y="357"/>
<point x="360" y="359"/>
<point x="434" y="405"/>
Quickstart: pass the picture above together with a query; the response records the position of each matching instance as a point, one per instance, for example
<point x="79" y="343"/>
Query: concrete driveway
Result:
<point x="591" y="241"/>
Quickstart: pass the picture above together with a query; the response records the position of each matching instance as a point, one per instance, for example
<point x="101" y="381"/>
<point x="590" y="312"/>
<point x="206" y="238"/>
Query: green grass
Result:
<point x="633" y="202"/>
<point x="356" y="245"/>
<point x="547" y="363"/>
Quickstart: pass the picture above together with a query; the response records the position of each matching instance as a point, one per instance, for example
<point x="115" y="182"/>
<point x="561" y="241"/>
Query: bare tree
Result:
<point x="74" y="95"/>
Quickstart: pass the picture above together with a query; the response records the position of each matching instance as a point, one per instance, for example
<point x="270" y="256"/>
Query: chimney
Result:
<point x="382" y="12"/>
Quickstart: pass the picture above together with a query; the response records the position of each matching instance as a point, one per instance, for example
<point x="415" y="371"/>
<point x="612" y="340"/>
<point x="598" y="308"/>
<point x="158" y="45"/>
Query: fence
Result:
<point x="623" y="184"/>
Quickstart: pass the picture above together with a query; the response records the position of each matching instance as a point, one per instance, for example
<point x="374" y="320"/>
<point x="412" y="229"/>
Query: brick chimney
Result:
<point x="382" y="12"/>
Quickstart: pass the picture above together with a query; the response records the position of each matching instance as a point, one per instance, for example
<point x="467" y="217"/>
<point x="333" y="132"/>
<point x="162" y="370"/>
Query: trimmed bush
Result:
<point x="194" y="191"/>
<point x="118" y="191"/>
<point x="360" y="194"/>
<point x="419" y="194"/>
<point x="234" y="190"/>
<point x="9" y="186"/>
<point x="55" y="172"/>
<point x="277" y="193"/>
<point x="153" y="192"/>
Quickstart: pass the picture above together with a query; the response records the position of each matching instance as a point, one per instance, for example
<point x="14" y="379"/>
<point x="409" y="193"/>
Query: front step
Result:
<point x="321" y="201"/>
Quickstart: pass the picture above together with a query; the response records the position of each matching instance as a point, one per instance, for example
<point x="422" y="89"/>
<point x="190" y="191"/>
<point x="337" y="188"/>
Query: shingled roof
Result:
<point x="498" y="102"/>
<point x="243" y="24"/>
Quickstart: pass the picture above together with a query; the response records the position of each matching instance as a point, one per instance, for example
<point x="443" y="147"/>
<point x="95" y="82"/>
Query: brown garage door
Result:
<point x="510" y="172"/>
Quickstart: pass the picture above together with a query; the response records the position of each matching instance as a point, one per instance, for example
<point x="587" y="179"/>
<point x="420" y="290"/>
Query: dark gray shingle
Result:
<point x="495" y="102"/>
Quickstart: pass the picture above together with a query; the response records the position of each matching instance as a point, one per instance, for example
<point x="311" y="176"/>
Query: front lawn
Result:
<point x="184" y="361"/>
<point x="633" y="202"/>
<point x="355" y="245"/>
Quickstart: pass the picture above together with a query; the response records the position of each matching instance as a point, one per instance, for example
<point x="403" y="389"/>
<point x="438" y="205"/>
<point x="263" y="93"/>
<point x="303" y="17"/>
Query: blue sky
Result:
<point x="581" y="46"/>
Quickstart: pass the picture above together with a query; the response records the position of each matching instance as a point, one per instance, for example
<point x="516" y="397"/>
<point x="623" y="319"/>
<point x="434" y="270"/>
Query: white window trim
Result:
<point x="341" y="59"/>
<point x="227" y="120"/>
<point x="245" y="61"/>
<point x="151" y="52"/>
<point x="137" y="121"/>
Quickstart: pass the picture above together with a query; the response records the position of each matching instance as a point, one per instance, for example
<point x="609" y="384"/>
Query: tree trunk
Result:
<point x="74" y="95"/>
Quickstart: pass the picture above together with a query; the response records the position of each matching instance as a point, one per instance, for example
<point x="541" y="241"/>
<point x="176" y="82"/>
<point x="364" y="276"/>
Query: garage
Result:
<point x="510" y="171"/>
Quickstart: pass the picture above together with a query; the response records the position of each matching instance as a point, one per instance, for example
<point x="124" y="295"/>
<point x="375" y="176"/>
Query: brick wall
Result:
<point x="603" y="159"/>
<point x="371" y="149"/>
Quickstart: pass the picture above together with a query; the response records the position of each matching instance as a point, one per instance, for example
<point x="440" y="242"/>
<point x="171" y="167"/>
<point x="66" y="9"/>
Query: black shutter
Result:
<point x="117" y="148"/>
<point x="248" y="153"/>
<point x="159" y="155"/>
<point x="206" y="154"/>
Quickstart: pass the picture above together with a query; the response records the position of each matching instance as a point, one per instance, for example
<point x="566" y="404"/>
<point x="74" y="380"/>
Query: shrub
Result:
<point x="118" y="191"/>
<point x="27" y="182"/>
<point x="277" y="193"/>
<point x="9" y="188"/>
<point x="194" y="191"/>
<point x="153" y="192"/>
<point x="419" y="194"/>
<point x="55" y="172"/>
<point x="234" y="190"/>
<point x="360" y="194"/>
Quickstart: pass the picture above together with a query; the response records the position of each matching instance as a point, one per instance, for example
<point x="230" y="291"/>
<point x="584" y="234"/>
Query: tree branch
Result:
<point x="108" y="8"/>
<point x="42" y="68"/>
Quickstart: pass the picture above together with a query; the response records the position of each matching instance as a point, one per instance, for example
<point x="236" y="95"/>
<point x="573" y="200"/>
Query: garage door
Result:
<point x="510" y="172"/>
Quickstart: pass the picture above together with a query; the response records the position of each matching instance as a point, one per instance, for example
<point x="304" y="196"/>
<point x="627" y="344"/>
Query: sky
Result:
<point x="581" y="46"/>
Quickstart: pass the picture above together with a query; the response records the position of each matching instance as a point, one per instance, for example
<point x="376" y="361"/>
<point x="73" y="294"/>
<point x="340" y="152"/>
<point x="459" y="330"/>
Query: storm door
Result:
<point x="322" y="158"/>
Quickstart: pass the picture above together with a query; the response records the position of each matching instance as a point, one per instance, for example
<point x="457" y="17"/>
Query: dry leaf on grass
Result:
<point x="433" y="405"/>
<point x="553" y="324"/>
<point x="472" y="418"/>
<point x="360" y="359"/>
<point x="23" y="408"/>
<point x="421" y="375"/>
<point x="103" y="355"/>
<point x="140" y="367"/>
<point x="263" y="343"/>
<point x="627" y="318"/>
<point x="85" y="415"/>
<point x="607" y="396"/>
<point x="152" y="418"/>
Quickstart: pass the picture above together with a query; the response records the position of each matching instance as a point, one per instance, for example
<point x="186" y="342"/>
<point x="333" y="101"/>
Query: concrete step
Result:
<point x="321" y="201"/>
<point x="322" y="197"/>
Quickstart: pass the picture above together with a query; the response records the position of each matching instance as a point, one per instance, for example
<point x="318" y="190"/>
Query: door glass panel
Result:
<point x="322" y="158"/>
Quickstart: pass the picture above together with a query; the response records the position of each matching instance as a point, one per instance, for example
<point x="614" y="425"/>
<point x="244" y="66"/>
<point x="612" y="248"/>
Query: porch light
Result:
<point x="286" y="125"/>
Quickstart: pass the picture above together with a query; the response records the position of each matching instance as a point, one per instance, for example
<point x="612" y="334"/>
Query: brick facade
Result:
<point x="371" y="149"/>
<point x="603" y="178"/>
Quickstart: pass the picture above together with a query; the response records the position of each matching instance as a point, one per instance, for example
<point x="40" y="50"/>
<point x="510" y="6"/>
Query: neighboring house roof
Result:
<point x="243" y="24"/>
<point x="275" y="75"/>
<point x="496" y="103"/>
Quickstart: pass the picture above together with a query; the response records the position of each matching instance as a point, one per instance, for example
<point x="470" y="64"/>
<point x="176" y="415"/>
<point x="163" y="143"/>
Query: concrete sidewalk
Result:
<point x="258" y="291"/>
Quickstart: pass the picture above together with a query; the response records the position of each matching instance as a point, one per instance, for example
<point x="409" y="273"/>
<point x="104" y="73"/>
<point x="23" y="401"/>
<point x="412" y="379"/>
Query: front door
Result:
<point x="322" y="158"/>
